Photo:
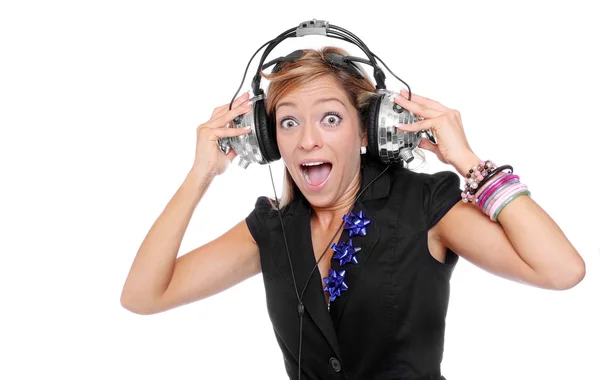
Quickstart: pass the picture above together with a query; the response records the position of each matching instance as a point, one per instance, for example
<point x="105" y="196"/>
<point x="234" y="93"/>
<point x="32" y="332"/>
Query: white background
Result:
<point x="99" y="103"/>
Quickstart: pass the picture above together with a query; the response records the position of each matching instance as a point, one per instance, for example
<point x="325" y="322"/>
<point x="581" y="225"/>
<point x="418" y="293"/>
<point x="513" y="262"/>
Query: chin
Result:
<point x="320" y="201"/>
<point x="322" y="196"/>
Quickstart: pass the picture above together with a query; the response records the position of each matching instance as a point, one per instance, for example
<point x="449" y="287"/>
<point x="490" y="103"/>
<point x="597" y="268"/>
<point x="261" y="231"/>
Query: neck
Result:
<point x="325" y="216"/>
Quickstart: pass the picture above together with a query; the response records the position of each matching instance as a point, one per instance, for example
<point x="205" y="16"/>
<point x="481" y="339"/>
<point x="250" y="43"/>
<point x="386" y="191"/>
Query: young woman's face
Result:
<point x="319" y="138"/>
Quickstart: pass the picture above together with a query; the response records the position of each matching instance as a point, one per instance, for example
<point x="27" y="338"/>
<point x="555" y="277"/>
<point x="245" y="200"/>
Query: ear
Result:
<point x="363" y="139"/>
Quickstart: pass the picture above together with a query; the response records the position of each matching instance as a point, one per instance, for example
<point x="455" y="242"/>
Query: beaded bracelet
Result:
<point x="491" y="189"/>
<point x="474" y="177"/>
<point x="478" y="176"/>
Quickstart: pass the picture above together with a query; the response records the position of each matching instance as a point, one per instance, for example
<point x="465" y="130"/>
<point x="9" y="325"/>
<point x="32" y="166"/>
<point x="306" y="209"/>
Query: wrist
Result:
<point x="465" y="162"/>
<point x="198" y="178"/>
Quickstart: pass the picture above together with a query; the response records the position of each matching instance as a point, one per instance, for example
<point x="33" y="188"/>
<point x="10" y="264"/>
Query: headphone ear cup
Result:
<point x="265" y="135"/>
<point x="372" y="127"/>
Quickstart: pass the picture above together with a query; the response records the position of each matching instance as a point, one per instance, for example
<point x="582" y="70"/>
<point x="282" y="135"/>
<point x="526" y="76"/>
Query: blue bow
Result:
<point x="357" y="224"/>
<point x="335" y="284"/>
<point x="345" y="252"/>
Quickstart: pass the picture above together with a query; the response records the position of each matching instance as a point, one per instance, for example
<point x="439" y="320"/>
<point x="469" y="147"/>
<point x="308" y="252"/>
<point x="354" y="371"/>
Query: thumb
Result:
<point x="231" y="155"/>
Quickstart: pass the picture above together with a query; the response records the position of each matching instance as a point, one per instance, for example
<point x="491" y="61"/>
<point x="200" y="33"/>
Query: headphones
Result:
<point x="385" y="142"/>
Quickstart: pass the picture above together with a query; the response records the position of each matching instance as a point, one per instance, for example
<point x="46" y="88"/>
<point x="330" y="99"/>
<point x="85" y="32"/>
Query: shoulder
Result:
<point x="263" y="206"/>
<point x="427" y="184"/>
<point x="266" y="207"/>
<point x="265" y="216"/>
<point x="432" y="194"/>
<point x="426" y="179"/>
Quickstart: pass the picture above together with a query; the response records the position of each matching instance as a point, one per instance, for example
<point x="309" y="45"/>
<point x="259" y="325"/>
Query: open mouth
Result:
<point x="316" y="173"/>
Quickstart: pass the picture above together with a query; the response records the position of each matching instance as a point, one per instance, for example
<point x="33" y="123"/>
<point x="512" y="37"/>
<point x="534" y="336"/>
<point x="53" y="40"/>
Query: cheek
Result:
<point x="347" y="152"/>
<point x="351" y="138"/>
<point x="285" y="143"/>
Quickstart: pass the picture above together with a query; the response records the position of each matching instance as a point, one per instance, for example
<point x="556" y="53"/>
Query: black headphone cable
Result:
<point x="301" y="295"/>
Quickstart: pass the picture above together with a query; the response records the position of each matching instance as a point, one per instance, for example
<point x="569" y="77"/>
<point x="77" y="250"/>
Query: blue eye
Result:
<point x="288" y="123"/>
<point x="332" y="119"/>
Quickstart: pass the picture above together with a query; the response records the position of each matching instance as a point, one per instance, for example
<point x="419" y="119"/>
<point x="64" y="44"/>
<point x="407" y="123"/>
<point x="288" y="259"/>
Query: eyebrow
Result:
<point x="318" y="101"/>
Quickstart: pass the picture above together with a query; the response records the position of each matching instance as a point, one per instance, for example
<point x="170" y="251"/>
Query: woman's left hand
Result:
<point x="446" y="125"/>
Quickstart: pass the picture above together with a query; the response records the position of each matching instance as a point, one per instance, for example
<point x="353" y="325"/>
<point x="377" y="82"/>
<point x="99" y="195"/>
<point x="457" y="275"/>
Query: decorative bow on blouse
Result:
<point x="357" y="224"/>
<point x="345" y="252"/>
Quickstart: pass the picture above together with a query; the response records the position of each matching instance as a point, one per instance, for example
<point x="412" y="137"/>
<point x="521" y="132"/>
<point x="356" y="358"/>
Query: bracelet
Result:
<point x="474" y="177"/>
<point x="502" y="189"/>
<point x="509" y="192"/>
<point x="483" y="188"/>
<point x="496" y="171"/>
<point x="478" y="176"/>
<point x="512" y="198"/>
<point x="489" y="190"/>
<point x="488" y="187"/>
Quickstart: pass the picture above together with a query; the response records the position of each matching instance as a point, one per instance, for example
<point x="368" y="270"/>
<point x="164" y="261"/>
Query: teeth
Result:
<point x="305" y="173"/>
<point x="313" y="163"/>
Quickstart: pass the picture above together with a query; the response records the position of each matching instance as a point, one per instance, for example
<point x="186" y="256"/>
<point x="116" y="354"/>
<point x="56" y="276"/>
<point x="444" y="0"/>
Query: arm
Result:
<point x="525" y="246"/>
<point x="159" y="281"/>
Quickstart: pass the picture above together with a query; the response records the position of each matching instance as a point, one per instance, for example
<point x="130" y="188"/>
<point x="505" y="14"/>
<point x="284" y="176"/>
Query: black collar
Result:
<point x="381" y="187"/>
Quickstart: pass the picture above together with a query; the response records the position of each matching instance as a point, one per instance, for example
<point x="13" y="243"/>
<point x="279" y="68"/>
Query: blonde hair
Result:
<point x="310" y="66"/>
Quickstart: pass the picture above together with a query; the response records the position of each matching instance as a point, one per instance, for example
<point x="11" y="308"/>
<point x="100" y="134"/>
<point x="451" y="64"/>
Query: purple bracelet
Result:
<point x="493" y="187"/>
<point x="484" y="190"/>
<point x="514" y="190"/>
<point x="506" y="186"/>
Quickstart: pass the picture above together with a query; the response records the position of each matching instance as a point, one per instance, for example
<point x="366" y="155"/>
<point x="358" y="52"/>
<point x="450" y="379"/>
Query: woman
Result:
<point x="376" y="307"/>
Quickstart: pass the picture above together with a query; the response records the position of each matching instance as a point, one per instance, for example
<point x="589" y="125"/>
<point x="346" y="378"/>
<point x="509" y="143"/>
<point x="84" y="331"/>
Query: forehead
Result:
<point x="321" y="87"/>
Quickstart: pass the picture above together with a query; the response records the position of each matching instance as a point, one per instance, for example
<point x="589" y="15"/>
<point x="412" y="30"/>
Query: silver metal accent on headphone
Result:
<point x="394" y="145"/>
<point x="406" y="155"/>
<point x="312" y="27"/>
<point x="224" y="144"/>
<point x="245" y="146"/>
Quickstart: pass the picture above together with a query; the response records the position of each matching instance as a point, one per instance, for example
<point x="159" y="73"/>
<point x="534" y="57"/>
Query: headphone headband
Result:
<point x="321" y="28"/>
<point x="334" y="59"/>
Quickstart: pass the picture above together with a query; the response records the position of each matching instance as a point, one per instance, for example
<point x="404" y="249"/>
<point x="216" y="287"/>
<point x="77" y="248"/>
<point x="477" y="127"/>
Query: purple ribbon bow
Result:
<point x="345" y="252"/>
<point x="357" y="224"/>
<point x="335" y="284"/>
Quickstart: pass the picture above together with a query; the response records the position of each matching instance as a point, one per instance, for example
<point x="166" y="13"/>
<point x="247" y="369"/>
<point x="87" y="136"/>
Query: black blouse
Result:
<point x="390" y="322"/>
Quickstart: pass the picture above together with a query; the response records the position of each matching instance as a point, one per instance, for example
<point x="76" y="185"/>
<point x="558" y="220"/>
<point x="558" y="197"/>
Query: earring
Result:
<point x="363" y="149"/>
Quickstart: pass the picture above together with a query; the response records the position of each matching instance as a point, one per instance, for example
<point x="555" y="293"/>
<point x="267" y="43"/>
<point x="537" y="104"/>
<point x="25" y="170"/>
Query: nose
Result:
<point x="310" y="137"/>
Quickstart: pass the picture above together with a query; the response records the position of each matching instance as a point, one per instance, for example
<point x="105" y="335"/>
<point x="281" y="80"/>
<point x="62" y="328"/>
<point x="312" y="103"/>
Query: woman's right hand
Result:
<point x="210" y="160"/>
